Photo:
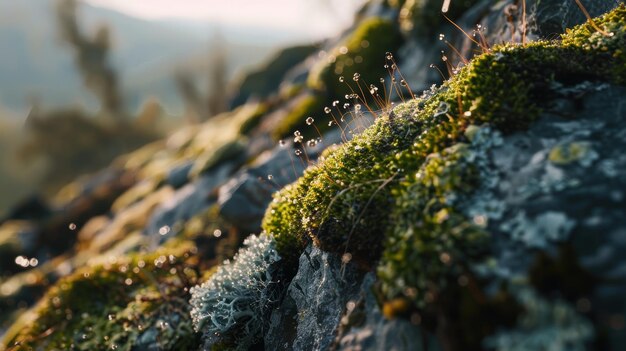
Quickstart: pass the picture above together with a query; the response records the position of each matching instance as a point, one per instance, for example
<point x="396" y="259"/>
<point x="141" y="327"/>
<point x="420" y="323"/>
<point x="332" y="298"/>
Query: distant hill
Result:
<point x="35" y="62"/>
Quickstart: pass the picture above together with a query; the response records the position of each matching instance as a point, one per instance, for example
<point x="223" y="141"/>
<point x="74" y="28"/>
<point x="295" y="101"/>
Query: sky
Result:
<point x="320" y="17"/>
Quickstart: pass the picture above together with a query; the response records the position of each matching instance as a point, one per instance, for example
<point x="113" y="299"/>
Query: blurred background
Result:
<point x="84" y="81"/>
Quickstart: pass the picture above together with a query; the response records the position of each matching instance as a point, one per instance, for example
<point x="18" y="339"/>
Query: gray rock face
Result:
<point x="553" y="201"/>
<point x="502" y="21"/>
<point x="188" y="201"/>
<point x="179" y="175"/>
<point x="554" y="205"/>
<point x="549" y="17"/>
<point x="245" y="197"/>
<point x="316" y="298"/>
<point x="364" y="328"/>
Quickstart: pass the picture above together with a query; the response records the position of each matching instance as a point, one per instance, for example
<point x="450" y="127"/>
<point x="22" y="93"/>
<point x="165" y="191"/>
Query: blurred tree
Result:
<point x="217" y="76"/>
<point x="69" y="141"/>
<point x="194" y="105"/>
<point x="198" y="107"/>
<point x="92" y="59"/>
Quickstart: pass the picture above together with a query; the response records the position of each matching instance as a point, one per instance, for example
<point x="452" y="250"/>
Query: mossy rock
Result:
<point x="254" y="119"/>
<point x="391" y="184"/>
<point x="307" y="105"/>
<point x="265" y="81"/>
<point x="423" y="18"/>
<point x="363" y="52"/>
<point x="129" y="302"/>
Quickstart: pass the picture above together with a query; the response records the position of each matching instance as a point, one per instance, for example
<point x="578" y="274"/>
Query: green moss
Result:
<point x="393" y="184"/>
<point x="115" y="305"/>
<point x="608" y="47"/>
<point x="254" y="119"/>
<point x="363" y="52"/>
<point x="309" y="105"/>
<point x="569" y="153"/>
<point x="232" y="151"/>
<point x="265" y="80"/>
<point x="423" y="17"/>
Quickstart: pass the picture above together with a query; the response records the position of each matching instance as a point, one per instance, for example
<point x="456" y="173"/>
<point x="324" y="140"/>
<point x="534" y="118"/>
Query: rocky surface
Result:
<point x="482" y="213"/>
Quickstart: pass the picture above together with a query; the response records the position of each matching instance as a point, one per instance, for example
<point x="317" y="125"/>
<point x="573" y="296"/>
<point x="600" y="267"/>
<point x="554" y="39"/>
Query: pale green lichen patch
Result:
<point x="575" y="152"/>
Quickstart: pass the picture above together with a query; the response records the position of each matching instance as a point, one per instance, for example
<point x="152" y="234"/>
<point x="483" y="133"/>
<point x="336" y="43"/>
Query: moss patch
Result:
<point x="309" y="105"/>
<point x="119" y="305"/>
<point x="363" y="52"/>
<point x="423" y="17"/>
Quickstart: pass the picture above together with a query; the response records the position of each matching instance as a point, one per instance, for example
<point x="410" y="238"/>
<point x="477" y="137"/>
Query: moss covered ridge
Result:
<point x="119" y="305"/>
<point x="390" y="187"/>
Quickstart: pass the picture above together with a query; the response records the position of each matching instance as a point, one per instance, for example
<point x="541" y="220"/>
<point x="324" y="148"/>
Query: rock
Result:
<point x="364" y="328"/>
<point x="546" y="206"/>
<point x="502" y="21"/>
<point x="265" y="81"/>
<point x="547" y="18"/>
<point x="179" y="175"/>
<point x="244" y="198"/>
<point x="317" y="295"/>
<point x="186" y="202"/>
<point x="127" y="221"/>
<point x="232" y="152"/>
<point x="32" y="208"/>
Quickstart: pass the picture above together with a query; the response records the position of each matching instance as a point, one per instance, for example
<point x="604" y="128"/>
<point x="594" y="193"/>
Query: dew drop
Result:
<point x="441" y="36"/>
<point x="347" y="257"/>
<point x="327" y="110"/>
<point x="356" y="77"/>
<point x="164" y="230"/>
<point x="72" y="226"/>
<point x="309" y="121"/>
<point x="341" y="79"/>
